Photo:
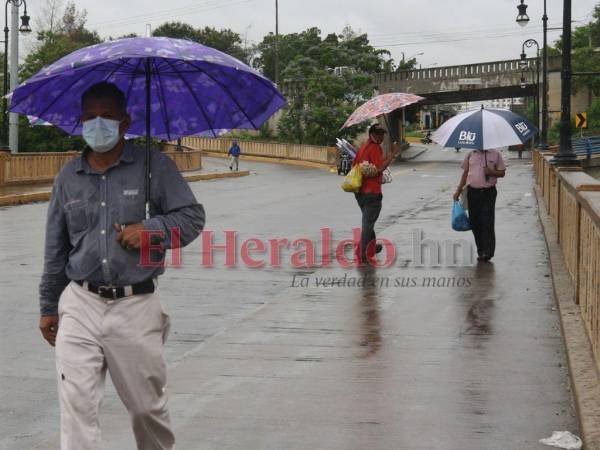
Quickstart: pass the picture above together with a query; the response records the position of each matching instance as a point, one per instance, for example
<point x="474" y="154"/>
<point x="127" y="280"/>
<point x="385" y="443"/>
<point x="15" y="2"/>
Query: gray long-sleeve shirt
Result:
<point x="80" y="235"/>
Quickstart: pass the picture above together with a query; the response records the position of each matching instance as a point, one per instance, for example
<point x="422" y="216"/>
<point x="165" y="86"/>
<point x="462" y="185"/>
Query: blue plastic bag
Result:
<point x="460" y="220"/>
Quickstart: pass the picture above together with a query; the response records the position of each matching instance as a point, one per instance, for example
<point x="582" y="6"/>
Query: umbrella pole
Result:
<point x="148" y="140"/>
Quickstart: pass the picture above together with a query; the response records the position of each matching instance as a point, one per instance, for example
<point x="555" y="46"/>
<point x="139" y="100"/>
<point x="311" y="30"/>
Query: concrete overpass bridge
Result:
<point x="478" y="82"/>
<point x="462" y="83"/>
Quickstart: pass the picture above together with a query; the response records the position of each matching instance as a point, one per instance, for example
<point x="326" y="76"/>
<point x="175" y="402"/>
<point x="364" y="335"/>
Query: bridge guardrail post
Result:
<point x="4" y="157"/>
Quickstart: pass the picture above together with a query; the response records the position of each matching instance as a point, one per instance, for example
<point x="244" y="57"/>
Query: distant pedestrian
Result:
<point x="457" y="149"/>
<point x="234" y="153"/>
<point x="481" y="170"/>
<point x="370" y="197"/>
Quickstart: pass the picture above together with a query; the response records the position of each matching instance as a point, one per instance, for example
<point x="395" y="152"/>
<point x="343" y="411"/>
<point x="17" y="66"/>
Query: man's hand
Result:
<point x="456" y="195"/>
<point x="395" y="148"/>
<point x="491" y="172"/>
<point x="130" y="237"/>
<point x="49" y="328"/>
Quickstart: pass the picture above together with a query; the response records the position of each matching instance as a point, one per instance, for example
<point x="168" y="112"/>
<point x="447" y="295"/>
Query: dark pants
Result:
<point x="482" y="205"/>
<point x="370" y="205"/>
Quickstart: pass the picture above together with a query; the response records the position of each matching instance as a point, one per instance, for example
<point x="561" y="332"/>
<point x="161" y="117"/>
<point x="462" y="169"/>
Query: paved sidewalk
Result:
<point x="258" y="360"/>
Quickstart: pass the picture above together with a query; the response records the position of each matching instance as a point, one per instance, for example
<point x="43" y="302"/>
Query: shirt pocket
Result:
<point x="131" y="209"/>
<point x="76" y="216"/>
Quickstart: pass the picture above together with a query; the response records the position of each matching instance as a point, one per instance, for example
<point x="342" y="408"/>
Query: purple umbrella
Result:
<point x="174" y="88"/>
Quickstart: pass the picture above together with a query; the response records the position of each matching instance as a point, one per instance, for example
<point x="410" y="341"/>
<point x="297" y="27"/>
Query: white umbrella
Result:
<point x="484" y="129"/>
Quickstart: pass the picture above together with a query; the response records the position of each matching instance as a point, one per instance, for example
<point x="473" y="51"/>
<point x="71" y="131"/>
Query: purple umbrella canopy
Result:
<point x="193" y="89"/>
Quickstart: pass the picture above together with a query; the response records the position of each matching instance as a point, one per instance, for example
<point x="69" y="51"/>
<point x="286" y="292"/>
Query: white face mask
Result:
<point x="101" y="134"/>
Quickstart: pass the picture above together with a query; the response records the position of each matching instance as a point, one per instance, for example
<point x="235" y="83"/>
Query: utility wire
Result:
<point x="472" y="37"/>
<point x="167" y="14"/>
<point x="491" y="28"/>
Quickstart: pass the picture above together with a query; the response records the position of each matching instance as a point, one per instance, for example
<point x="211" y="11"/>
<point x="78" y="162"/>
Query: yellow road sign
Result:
<point x="581" y="120"/>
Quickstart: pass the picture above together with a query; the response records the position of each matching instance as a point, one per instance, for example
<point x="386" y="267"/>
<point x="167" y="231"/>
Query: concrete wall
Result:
<point x="572" y="199"/>
<point x="580" y="101"/>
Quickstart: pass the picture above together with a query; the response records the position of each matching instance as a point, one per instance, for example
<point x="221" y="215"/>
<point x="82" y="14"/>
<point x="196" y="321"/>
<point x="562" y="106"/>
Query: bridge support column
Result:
<point x="393" y="125"/>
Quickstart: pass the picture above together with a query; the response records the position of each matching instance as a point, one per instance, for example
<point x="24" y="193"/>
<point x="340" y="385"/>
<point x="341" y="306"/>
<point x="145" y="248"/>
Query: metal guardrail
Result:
<point x="586" y="146"/>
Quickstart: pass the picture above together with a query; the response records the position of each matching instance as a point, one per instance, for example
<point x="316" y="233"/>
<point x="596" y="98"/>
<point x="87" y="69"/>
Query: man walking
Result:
<point x="234" y="152"/>
<point x="370" y="197"/>
<point x="481" y="170"/>
<point x="98" y="301"/>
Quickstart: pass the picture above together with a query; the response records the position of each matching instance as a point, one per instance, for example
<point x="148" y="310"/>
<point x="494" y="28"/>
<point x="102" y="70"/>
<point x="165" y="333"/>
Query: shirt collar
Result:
<point x="81" y="164"/>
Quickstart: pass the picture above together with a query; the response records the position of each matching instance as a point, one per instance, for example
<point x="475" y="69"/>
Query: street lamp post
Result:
<point x="565" y="155"/>
<point x="276" y="42"/>
<point x="24" y="28"/>
<point x="524" y="64"/>
<point x="523" y="19"/>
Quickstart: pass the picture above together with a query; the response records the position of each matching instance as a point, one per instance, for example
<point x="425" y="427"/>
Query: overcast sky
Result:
<point x="445" y="31"/>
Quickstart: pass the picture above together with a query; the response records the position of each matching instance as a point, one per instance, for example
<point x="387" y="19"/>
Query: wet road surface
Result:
<point x="416" y="356"/>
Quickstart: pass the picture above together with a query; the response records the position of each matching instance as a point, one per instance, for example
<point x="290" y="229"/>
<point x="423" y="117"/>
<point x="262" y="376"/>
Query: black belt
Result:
<point x="116" y="292"/>
<point x="482" y="189"/>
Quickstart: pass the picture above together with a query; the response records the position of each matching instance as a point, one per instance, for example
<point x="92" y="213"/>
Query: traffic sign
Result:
<point x="581" y="120"/>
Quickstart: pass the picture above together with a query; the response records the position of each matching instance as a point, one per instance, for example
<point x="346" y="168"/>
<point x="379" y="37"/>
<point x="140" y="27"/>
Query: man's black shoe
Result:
<point x="378" y="248"/>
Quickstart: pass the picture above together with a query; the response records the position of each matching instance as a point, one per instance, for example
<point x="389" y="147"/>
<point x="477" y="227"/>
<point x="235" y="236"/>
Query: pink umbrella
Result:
<point x="382" y="104"/>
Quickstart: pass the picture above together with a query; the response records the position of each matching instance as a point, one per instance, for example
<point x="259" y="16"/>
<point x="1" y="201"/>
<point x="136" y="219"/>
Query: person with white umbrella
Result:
<point x="483" y="131"/>
<point x="481" y="170"/>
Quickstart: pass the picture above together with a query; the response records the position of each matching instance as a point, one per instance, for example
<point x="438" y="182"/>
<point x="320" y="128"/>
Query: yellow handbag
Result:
<point x="353" y="181"/>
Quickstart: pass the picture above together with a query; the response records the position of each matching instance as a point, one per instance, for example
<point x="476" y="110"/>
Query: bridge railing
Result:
<point x="41" y="168"/>
<point x="572" y="199"/>
<point x="298" y="152"/>
<point x="457" y="72"/>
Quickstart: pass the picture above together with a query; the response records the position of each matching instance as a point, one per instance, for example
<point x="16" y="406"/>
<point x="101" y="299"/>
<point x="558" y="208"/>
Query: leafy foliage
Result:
<point x="324" y="80"/>
<point x="586" y="53"/>
<point x="224" y="40"/>
<point x="63" y="35"/>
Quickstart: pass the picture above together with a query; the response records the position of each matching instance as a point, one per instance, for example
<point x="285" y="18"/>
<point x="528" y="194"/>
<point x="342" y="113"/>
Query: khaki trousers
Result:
<point x="125" y="337"/>
<point x="235" y="163"/>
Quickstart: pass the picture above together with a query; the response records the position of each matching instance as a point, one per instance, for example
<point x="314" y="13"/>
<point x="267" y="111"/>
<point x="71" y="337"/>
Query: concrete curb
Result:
<point x="414" y="156"/>
<point x="272" y="160"/>
<point x="585" y="379"/>
<point x="44" y="196"/>
<point x="22" y="199"/>
<point x="214" y="176"/>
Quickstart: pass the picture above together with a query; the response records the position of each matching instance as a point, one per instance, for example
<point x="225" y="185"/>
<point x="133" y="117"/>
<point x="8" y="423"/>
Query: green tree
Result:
<point x="224" y="40"/>
<point x="290" y="46"/>
<point x="586" y="53"/>
<point x="177" y="30"/>
<point x="325" y="82"/>
<point x="61" y="37"/>
<point x="408" y="64"/>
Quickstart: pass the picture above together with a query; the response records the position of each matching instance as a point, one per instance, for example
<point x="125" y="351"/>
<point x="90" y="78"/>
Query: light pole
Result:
<point x="565" y="155"/>
<point x="411" y="57"/>
<point x="277" y="42"/>
<point x="524" y="65"/>
<point x="24" y="28"/>
<point x="523" y="19"/>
